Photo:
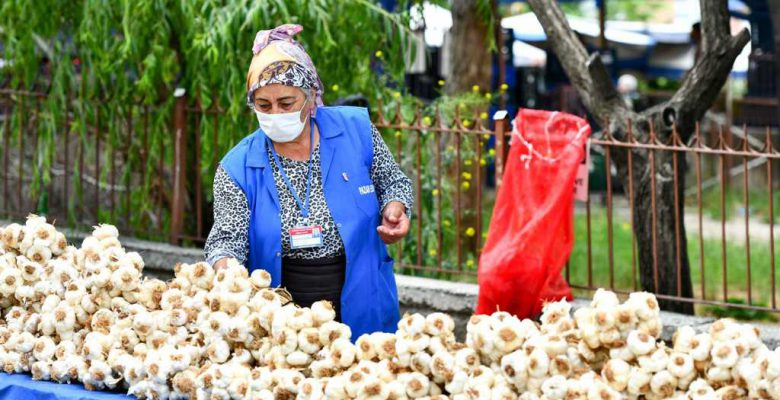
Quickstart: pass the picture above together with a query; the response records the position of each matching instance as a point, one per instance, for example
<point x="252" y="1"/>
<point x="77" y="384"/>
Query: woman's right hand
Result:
<point x="221" y="264"/>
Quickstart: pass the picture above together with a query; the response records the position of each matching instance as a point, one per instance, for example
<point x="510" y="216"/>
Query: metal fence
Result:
<point x="730" y="223"/>
<point x="82" y="169"/>
<point x="95" y="172"/>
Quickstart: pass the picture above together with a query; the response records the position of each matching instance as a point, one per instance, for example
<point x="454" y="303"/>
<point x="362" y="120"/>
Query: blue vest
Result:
<point x="369" y="298"/>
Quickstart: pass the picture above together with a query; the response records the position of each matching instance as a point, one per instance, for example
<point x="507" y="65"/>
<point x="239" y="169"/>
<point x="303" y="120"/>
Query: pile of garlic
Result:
<point x="86" y="314"/>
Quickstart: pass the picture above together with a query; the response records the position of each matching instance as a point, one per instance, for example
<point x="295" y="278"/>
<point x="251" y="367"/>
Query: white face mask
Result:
<point x="282" y="128"/>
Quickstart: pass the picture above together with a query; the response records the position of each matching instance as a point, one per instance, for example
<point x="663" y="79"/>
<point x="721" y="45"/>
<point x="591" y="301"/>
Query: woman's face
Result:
<point x="276" y="99"/>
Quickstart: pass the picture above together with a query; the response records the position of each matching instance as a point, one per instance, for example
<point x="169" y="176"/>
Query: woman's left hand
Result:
<point x="395" y="223"/>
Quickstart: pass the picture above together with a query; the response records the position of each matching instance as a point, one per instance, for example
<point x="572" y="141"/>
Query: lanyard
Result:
<point x="302" y="205"/>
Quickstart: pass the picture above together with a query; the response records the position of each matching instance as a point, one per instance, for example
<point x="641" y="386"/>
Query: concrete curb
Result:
<point x="415" y="294"/>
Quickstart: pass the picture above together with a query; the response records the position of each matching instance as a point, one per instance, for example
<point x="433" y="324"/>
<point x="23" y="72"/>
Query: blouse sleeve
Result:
<point x="390" y="182"/>
<point x="229" y="234"/>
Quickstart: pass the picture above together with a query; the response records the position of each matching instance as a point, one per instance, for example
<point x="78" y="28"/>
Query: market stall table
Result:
<point x="21" y="386"/>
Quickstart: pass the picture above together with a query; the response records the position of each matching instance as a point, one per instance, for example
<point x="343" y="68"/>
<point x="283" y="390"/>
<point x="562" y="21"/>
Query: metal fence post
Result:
<point x="179" y="165"/>
<point x="500" y="119"/>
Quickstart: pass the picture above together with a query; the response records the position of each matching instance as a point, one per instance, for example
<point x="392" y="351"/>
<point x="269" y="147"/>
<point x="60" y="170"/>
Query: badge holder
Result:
<point x="303" y="235"/>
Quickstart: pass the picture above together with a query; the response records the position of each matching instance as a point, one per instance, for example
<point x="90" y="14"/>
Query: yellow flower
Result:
<point x="504" y="86"/>
<point x="397" y="94"/>
<point x="441" y="82"/>
<point x="446" y="223"/>
<point x="378" y="54"/>
<point x="397" y="133"/>
<point x="470" y="232"/>
<point x="482" y="162"/>
<point x="461" y="105"/>
<point x="435" y="192"/>
<point x="466" y="175"/>
<point x="489" y="96"/>
<point x="492" y="152"/>
<point x="467" y="163"/>
<point x="470" y="263"/>
<point x="432" y="252"/>
<point x="484" y="235"/>
<point x="626" y="227"/>
<point x="427" y="121"/>
<point x="465" y="185"/>
<point x="483" y="116"/>
<point x="334" y="88"/>
<point x="475" y="88"/>
<point x="466" y="123"/>
<point x="486" y="136"/>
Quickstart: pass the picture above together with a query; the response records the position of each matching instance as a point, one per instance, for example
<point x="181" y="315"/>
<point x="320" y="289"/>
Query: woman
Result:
<point x="313" y="195"/>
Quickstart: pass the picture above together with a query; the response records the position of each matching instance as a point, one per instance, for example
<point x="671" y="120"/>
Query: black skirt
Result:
<point x="309" y="281"/>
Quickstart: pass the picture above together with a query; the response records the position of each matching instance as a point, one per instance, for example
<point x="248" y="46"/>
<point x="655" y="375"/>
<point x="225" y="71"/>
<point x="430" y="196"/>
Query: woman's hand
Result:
<point x="221" y="264"/>
<point x="395" y="223"/>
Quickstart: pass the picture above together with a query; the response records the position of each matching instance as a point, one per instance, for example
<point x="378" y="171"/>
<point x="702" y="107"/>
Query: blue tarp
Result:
<point x="19" y="386"/>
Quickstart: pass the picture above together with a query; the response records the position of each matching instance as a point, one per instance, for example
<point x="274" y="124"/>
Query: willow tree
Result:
<point x="125" y="57"/>
<point x="687" y="106"/>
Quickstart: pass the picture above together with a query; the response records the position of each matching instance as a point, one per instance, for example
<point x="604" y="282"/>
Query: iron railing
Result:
<point x="98" y="172"/>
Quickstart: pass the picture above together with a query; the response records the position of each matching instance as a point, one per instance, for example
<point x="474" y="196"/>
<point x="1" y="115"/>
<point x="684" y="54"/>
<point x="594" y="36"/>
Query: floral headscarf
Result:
<point x="278" y="58"/>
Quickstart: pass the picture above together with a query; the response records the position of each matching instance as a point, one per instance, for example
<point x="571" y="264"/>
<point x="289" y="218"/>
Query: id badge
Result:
<point x="304" y="237"/>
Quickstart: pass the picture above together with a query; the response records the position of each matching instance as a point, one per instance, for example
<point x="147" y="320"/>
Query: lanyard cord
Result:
<point x="302" y="205"/>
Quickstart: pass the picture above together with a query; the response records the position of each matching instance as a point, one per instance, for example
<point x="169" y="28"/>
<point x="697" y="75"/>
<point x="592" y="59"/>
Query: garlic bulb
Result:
<point x="701" y="345"/>
<point x="343" y="353"/>
<point x="417" y="385"/>
<point x="655" y="361"/>
<point x="43" y="348"/>
<point x="724" y="354"/>
<point x="638" y="381"/>
<point x="412" y="324"/>
<point x="538" y="363"/>
<point x="555" y="388"/>
<point x="640" y="343"/>
<point x="663" y="384"/>
<point x="508" y="336"/>
<point x="700" y="390"/>
<point x="616" y="373"/>
<point x="644" y="304"/>
<point x="604" y="299"/>
<point x="331" y="331"/>
<point x="421" y="362"/>
<point x="322" y="312"/>
<point x="439" y="324"/>
<point x="515" y="368"/>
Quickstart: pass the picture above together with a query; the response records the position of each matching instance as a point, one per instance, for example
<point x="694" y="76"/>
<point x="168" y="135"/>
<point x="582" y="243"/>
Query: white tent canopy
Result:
<point x="526" y="55"/>
<point x="527" y="28"/>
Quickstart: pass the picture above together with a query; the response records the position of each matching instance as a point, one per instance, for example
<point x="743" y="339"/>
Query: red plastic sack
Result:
<point x="531" y="232"/>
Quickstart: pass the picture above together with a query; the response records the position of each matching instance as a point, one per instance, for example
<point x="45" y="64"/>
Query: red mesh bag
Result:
<point x="531" y="231"/>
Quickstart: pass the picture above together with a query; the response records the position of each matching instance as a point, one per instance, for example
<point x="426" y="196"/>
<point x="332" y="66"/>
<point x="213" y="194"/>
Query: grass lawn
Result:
<point x="736" y="277"/>
<point x="734" y="203"/>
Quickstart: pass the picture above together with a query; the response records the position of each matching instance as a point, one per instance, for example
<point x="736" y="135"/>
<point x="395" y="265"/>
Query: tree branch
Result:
<point x="715" y="25"/>
<point x="593" y="84"/>
<point x="602" y="83"/>
<point x="704" y="81"/>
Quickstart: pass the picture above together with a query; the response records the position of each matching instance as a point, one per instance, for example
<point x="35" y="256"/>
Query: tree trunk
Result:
<point x="470" y="64"/>
<point x="658" y="222"/>
<point x="469" y="50"/>
<point x="661" y="238"/>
